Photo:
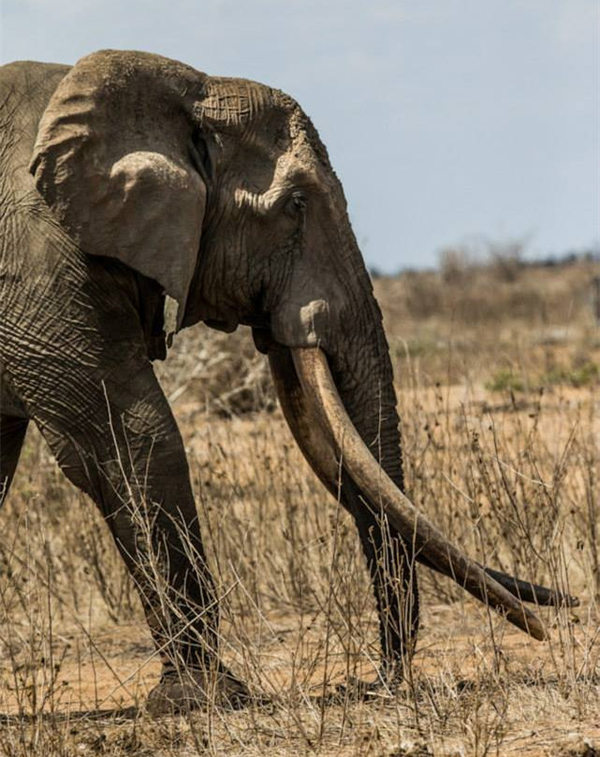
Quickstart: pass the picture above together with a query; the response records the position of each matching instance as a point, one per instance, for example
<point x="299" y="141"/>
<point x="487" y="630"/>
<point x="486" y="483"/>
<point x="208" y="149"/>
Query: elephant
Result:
<point x="140" y="197"/>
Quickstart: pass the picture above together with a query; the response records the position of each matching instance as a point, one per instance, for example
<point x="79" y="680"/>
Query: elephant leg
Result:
<point x="121" y="445"/>
<point x="12" y="434"/>
<point x="126" y="451"/>
<point x="114" y="436"/>
<point x="394" y="578"/>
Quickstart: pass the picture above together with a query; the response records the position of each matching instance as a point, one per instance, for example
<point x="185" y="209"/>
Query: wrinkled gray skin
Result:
<point x="129" y="182"/>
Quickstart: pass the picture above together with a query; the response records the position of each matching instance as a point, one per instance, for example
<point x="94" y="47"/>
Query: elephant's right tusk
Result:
<point x="341" y="436"/>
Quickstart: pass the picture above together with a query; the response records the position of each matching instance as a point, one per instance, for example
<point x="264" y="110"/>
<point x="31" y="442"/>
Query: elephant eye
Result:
<point x="296" y="203"/>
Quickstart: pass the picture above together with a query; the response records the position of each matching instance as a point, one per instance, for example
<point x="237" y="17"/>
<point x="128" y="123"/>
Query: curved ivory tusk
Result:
<point x="309" y="436"/>
<point x="321" y="394"/>
<point x="321" y="457"/>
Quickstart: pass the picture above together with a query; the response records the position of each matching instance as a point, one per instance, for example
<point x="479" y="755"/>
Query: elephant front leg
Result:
<point x="162" y="547"/>
<point x="394" y="578"/>
<point x="119" y="442"/>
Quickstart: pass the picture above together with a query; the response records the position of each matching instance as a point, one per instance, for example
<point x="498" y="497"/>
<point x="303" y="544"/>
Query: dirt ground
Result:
<point x="97" y="689"/>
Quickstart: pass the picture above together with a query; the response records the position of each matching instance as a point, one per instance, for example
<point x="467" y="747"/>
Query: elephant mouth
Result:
<point x="228" y="326"/>
<point x="330" y="442"/>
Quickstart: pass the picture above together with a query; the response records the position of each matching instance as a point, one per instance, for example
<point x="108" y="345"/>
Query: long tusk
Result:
<point x="318" y="386"/>
<point x="321" y="457"/>
<point x="316" y="448"/>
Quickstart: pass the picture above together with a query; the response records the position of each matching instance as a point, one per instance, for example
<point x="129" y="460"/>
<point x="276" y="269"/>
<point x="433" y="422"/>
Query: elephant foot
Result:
<point x="194" y="689"/>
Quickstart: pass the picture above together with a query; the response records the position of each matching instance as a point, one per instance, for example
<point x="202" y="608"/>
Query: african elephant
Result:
<point x="139" y="197"/>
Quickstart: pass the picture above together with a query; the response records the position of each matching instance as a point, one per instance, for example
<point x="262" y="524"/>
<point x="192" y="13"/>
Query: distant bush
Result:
<point x="455" y="264"/>
<point x="505" y="380"/>
<point x="506" y="258"/>
<point x="583" y="375"/>
<point x="577" y="376"/>
<point x="484" y="293"/>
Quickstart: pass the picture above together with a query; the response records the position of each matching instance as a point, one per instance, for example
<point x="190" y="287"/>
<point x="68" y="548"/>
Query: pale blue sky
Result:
<point x="445" y="119"/>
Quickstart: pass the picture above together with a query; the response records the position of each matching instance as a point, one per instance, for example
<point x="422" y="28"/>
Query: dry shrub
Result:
<point x="455" y="265"/>
<point x="217" y="373"/>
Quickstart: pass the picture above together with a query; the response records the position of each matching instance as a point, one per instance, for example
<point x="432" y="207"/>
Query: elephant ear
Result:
<point x="114" y="162"/>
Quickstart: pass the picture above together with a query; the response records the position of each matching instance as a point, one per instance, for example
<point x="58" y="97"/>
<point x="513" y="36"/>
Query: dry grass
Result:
<point x="509" y="469"/>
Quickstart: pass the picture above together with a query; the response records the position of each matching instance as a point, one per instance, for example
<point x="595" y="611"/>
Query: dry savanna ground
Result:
<point x="498" y="371"/>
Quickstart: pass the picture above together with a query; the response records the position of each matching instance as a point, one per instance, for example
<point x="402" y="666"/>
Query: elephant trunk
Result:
<point x="363" y="374"/>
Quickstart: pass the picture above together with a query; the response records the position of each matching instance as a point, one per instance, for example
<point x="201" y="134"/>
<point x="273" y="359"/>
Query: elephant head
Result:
<point x="221" y="191"/>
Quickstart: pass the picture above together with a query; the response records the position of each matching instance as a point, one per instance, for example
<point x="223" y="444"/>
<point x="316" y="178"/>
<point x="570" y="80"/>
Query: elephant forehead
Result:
<point x="292" y="171"/>
<point x="296" y="165"/>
